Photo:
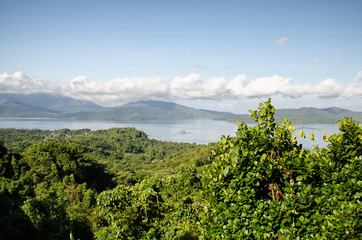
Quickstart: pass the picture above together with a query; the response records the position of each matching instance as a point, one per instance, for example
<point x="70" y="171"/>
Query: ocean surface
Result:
<point x="200" y="131"/>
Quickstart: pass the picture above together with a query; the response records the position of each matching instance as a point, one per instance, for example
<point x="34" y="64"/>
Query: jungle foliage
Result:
<point x="119" y="184"/>
<point x="263" y="184"/>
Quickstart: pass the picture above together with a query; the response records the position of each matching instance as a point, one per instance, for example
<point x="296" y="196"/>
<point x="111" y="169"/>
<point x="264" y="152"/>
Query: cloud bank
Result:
<point x="178" y="88"/>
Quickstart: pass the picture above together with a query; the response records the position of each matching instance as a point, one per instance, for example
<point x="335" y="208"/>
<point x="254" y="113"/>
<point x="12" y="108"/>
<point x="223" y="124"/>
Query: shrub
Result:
<point x="263" y="184"/>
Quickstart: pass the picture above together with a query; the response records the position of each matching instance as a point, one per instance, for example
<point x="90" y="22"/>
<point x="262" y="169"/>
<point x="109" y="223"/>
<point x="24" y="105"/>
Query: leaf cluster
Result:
<point x="263" y="184"/>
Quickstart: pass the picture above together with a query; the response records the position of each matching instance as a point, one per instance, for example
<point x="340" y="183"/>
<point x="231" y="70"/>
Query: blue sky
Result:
<point x="221" y="55"/>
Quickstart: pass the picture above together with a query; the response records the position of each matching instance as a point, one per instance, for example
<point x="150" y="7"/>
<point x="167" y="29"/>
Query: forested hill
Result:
<point x="168" y="111"/>
<point x="50" y="106"/>
<point x="315" y="115"/>
<point x="305" y="115"/>
<point x="41" y="105"/>
<point x="148" y="111"/>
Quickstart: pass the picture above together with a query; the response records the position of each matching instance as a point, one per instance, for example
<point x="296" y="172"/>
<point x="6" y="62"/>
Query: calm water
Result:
<point x="201" y="131"/>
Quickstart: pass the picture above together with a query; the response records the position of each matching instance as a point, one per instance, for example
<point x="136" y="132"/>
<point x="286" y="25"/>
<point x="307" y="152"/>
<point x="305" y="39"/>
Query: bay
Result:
<point x="200" y="131"/>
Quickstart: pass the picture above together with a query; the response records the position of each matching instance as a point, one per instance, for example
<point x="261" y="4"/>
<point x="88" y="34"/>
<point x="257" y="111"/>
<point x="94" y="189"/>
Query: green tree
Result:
<point x="263" y="184"/>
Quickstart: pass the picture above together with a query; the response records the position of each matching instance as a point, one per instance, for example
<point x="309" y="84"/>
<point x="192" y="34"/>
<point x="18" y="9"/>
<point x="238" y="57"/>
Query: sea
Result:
<point x="199" y="131"/>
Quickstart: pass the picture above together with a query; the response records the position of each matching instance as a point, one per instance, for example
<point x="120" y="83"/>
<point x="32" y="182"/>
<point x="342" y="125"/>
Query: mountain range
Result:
<point x="41" y="105"/>
<point x="49" y="106"/>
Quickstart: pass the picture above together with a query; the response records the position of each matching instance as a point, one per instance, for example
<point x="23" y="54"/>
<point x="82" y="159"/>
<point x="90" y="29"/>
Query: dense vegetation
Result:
<point x="118" y="184"/>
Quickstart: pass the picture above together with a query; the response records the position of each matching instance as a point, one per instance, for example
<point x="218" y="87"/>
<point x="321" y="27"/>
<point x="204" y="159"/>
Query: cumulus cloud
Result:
<point x="178" y="88"/>
<point x="117" y="89"/>
<point x="358" y="78"/>
<point x="281" y="41"/>
<point x="327" y="89"/>
<point x="354" y="90"/>
<point x="18" y="82"/>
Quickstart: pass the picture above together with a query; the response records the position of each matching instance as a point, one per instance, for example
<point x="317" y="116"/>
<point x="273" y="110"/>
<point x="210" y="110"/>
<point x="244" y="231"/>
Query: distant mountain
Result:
<point x="17" y="110"/>
<point x="41" y="105"/>
<point x="49" y="106"/>
<point x="305" y="115"/>
<point x="315" y="115"/>
<point x="147" y="111"/>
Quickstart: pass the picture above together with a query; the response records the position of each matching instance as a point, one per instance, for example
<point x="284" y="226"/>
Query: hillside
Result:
<point x="315" y="115"/>
<point x="17" y="110"/>
<point x="49" y="106"/>
<point x="304" y="115"/>
<point x="147" y="111"/>
<point x="41" y="105"/>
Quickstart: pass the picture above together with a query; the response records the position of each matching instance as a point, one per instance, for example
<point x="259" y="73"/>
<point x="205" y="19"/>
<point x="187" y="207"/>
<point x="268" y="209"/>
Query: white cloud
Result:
<point x="354" y="90"/>
<point x="358" y="78"/>
<point x="281" y="41"/>
<point x="327" y="89"/>
<point x="20" y="83"/>
<point x="215" y="88"/>
<point x="190" y="87"/>
<point x="237" y="85"/>
<point x="186" y="88"/>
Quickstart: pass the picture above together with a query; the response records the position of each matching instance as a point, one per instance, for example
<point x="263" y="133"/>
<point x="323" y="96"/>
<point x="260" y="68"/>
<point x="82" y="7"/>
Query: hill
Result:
<point x="315" y="115"/>
<point x="147" y="111"/>
<point x="304" y="115"/>
<point x="17" y="110"/>
<point x="50" y="106"/>
<point x="41" y="105"/>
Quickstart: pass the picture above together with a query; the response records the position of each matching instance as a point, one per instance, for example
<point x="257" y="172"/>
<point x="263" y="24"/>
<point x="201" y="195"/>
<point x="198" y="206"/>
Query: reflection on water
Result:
<point x="201" y="131"/>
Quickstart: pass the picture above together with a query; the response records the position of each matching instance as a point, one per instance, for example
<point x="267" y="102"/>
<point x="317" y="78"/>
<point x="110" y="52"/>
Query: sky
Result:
<point x="217" y="55"/>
